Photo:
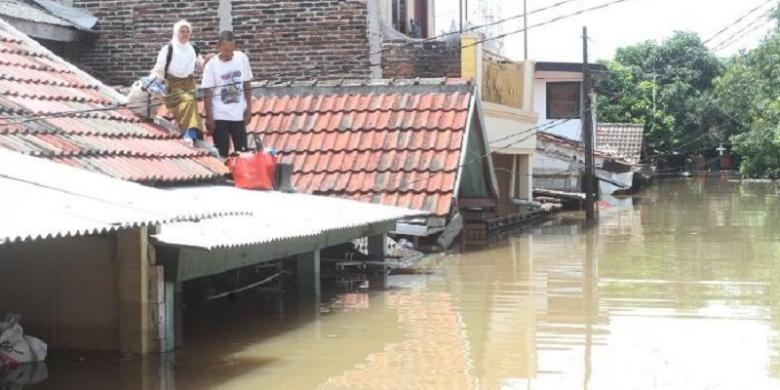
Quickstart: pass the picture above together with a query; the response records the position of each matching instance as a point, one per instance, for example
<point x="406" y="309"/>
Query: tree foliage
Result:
<point x="749" y="91"/>
<point x="667" y="88"/>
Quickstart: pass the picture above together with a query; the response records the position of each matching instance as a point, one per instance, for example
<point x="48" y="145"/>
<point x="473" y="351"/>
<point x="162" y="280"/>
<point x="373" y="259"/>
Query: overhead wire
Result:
<point x="527" y="134"/>
<point x="737" y="21"/>
<point x="757" y="23"/>
<point x="15" y="120"/>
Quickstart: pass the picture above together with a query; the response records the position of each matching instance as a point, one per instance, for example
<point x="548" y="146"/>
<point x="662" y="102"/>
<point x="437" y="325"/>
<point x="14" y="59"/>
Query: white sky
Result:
<point x="619" y="25"/>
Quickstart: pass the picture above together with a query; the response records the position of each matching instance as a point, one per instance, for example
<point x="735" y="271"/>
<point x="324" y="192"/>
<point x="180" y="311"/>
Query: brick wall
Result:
<point x="402" y="59"/>
<point x="282" y="37"/>
<point x="288" y="36"/>
<point x="131" y="32"/>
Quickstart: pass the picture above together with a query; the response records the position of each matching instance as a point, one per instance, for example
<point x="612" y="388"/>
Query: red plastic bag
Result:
<point x="253" y="169"/>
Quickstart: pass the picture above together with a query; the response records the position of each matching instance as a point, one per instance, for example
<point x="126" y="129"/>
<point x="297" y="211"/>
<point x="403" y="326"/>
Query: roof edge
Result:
<point x="318" y="87"/>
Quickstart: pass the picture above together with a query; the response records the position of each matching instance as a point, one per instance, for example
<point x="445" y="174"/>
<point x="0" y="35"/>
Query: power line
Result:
<point x="370" y="65"/>
<point x="34" y="117"/>
<point x="527" y="134"/>
<point x="734" y="23"/>
<point x="749" y="28"/>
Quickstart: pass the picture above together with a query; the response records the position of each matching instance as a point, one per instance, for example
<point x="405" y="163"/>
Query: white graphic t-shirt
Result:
<point x="227" y="78"/>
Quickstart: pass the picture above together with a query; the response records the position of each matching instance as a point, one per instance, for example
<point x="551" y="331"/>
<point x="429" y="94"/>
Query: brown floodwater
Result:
<point x="676" y="288"/>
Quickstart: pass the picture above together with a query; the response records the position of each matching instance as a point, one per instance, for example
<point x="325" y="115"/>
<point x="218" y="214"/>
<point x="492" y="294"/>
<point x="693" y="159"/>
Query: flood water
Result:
<point x="678" y="288"/>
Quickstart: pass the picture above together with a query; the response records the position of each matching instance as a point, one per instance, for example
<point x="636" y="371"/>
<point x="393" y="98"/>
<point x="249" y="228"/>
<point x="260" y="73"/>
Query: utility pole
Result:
<point x="587" y="131"/>
<point x="460" y="13"/>
<point x="525" y="29"/>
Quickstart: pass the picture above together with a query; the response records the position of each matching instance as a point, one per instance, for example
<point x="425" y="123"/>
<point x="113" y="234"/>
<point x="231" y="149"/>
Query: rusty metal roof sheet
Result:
<point x="398" y="143"/>
<point x="106" y="139"/>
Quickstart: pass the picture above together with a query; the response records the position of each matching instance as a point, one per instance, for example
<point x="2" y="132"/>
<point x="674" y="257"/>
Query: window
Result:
<point x="563" y="99"/>
<point x="409" y="17"/>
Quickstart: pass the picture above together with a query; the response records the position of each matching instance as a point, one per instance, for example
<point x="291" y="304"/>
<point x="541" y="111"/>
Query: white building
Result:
<point x="558" y="97"/>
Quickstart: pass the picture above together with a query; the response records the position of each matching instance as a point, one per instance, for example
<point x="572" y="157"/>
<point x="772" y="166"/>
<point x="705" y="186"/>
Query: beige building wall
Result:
<point x="507" y="93"/>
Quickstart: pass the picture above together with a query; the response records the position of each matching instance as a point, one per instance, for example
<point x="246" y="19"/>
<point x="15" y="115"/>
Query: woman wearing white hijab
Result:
<point x="176" y="64"/>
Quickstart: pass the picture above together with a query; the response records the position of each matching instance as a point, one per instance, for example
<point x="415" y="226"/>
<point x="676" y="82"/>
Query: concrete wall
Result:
<point x="65" y="289"/>
<point x="555" y="174"/>
<point x="97" y="293"/>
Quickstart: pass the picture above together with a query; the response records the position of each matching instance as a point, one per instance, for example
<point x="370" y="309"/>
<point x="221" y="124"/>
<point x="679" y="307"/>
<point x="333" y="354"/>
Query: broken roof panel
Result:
<point x="101" y="137"/>
<point x="398" y="143"/>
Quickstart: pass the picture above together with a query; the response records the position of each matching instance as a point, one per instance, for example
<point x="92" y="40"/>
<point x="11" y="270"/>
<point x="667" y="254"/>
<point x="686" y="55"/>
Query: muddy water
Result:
<point x="678" y="288"/>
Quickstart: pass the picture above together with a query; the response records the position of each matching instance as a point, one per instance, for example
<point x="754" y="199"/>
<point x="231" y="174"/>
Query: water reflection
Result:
<point x="678" y="290"/>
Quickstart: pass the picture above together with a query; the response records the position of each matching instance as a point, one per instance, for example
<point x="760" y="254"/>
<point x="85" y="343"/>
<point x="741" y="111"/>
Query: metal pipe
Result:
<point x="460" y="14"/>
<point x="525" y="29"/>
<point x="513" y="178"/>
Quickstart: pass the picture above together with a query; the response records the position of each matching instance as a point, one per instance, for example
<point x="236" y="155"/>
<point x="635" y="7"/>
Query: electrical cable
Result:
<point x="33" y="117"/>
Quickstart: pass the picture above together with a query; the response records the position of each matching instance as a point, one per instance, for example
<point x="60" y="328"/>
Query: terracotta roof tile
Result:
<point x="390" y="144"/>
<point x="105" y="139"/>
<point x="621" y="139"/>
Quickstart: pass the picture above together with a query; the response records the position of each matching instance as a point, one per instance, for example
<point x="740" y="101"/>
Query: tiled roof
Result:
<point x="543" y="137"/>
<point x="621" y="139"/>
<point x="104" y="138"/>
<point x="397" y="143"/>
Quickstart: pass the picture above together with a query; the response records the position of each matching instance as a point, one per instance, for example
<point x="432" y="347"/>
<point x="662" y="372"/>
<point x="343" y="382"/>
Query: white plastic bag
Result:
<point x="15" y="347"/>
<point x="141" y="102"/>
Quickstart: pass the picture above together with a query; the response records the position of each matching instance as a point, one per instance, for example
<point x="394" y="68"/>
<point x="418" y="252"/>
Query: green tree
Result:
<point x="667" y="88"/>
<point x="749" y="91"/>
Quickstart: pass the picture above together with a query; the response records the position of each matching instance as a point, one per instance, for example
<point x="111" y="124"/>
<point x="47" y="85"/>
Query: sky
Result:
<point x="619" y="25"/>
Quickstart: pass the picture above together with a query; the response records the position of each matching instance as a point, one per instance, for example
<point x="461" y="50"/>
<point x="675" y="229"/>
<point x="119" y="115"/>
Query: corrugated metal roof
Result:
<point x="111" y="141"/>
<point x="396" y="143"/>
<point x="20" y="10"/>
<point x="41" y="199"/>
<point x="275" y="217"/>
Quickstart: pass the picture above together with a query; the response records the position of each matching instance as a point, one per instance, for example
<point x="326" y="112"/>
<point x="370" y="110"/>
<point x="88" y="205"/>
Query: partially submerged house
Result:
<point x="559" y="165"/>
<point x="74" y="255"/>
<point x="560" y="157"/>
<point x="51" y="110"/>
<point x="417" y="144"/>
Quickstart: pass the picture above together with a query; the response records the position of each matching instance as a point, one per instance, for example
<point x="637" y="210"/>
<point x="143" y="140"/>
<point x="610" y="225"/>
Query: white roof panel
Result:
<point x="275" y="216"/>
<point x="42" y="199"/>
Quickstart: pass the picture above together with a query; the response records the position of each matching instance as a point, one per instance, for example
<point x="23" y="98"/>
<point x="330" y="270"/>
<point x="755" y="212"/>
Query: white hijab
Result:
<point x="184" y="58"/>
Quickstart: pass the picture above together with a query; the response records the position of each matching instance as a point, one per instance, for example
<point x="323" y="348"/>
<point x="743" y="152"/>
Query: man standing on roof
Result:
<point x="176" y="64"/>
<point x="227" y="82"/>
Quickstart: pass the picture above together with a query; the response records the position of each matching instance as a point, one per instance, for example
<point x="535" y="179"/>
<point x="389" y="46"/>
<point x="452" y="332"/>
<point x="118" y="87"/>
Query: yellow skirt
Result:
<point x="182" y="102"/>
